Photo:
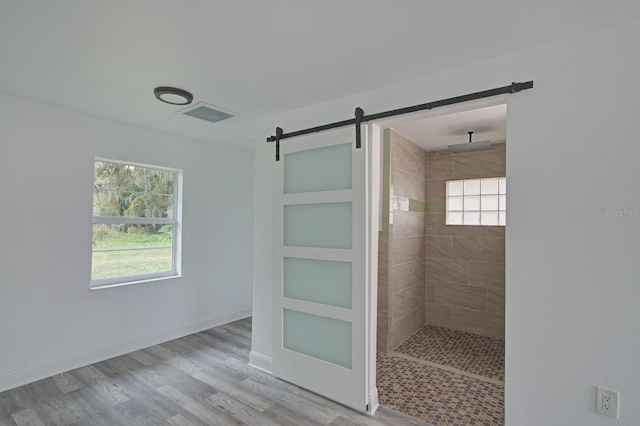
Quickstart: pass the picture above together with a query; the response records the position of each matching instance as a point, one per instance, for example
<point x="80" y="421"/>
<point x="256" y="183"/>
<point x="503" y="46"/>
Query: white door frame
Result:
<point x="373" y="203"/>
<point x="374" y="192"/>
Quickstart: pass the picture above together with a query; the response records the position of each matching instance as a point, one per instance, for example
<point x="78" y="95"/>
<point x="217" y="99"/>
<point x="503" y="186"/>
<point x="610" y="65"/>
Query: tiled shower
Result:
<point x="401" y="260"/>
<point x="429" y="272"/>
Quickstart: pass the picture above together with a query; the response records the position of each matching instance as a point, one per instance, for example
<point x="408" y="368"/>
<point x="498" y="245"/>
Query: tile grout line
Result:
<point x="446" y="368"/>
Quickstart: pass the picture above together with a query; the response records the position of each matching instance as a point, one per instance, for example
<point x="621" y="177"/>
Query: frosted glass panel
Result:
<point x="319" y="281"/>
<point x="455" y="203"/>
<point x="319" y="337"/>
<point x="454" y="218"/>
<point x="489" y="218"/>
<point x="455" y="187"/>
<point x="472" y="218"/>
<point x="489" y="202"/>
<point x="471" y="187"/>
<point x="503" y="185"/>
<point x="322" y="169"/>
<point x="503" y="202"/>
<point x="472" y="203"/>
<point x="489" y="186"/>
<point x="502" y="218"/>
<point x="318" y="225"/>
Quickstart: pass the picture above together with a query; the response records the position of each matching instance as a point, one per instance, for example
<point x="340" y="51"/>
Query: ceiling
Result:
<point x="258" y="57"/>
<point x="434" y="133"/>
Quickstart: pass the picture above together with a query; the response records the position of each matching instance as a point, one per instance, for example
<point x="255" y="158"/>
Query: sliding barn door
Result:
<point x="320" y="276"/>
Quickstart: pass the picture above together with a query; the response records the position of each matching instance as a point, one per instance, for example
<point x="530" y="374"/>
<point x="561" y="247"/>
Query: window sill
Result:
<point x="142" y="281"/>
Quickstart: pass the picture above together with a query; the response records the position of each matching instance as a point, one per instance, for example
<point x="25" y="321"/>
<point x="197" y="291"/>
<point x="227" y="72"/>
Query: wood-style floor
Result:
<point x="201" y="379"/>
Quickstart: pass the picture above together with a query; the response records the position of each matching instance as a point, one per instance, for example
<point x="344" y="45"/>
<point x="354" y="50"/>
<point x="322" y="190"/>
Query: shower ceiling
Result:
<point x="434" y="133"/>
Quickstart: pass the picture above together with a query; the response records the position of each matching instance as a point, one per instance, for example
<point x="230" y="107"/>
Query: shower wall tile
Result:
<point x="479" y="164"/>
<point x="383" y="320"/>
<point x="431" y="225"/>
<point x="445" y="270"/>
<point x="394" y="336"/>
<point x="383" y="304"/>
<point x="463" y="296"/>
<point x="495" y="301"/>
<point x="462" y="231"/>
<point x="382" y="335"/>
<point x="405" y="171"/>
<point x="383" y="274"/>
<point x="408" y="223"/>
<point x="477" y="322"/>
<point x="436" y="207"/>
<point x="489" y="275"/>
<point x="409" y="304"/>
<point x="383" y="294"/>
<point x="406" y="249"/>
<point x="383" y="251"/>
<point x="408" y="326"/>
<point x="385" y="241"/>
<point x="404" y="302"/>
<point x="408" y="185"/>
<point x="464" y="266"/>
<point x="438" y="315"/>
<point x="479" y="249"/>
<point x="440" y="167"/>
<point x="382" y="328"/>
<point x="496" y="231"/>
<point x="430" y="292"/>
<point x="410" y="159"/>
<point x="441" y="153"/>
<point x="402" y="276"/>
<point x="408" y="273"/>
<point x="439" y="247"/>
<point x="403" y="328"/>
<point x="436" y="190"/>
<point x="418" y="271"/>
<point x="400" y="305"/>
<point x="403" y="144"/>
<point x="414" y="296"/>
<point x="421" y="319"/>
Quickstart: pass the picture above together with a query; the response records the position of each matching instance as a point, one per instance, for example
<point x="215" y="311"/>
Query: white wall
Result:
<point x="573" y="296"/>
<point x="49" y="319"/>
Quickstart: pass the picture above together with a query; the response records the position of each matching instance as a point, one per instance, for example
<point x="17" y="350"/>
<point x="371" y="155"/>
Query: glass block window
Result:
<point x="477" y="202"/>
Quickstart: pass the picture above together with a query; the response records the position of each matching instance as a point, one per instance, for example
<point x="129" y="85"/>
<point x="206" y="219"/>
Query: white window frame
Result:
<point x="481" y="208"/>
<point x="176" y="238"/>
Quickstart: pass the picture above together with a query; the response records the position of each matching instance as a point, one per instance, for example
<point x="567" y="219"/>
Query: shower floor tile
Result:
<point x="445" y="377"/>
<point x="468" y="352"/>
<point x="440" y="397"/>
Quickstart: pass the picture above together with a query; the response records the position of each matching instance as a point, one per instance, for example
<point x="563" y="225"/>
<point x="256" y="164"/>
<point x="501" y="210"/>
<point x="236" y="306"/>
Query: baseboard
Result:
<point x="22" y="376"/>
<point x="261" y="362"/>
<point x="373" y="401"/>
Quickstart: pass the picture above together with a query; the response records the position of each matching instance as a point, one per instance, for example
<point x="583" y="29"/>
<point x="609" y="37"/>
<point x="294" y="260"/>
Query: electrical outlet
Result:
<point x="607" y="402"/>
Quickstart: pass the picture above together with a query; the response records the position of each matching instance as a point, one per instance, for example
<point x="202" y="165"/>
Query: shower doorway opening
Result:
<point x="441" y="287"/>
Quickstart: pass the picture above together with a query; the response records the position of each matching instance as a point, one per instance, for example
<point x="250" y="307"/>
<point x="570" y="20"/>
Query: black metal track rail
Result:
<point x="361" y="118"/>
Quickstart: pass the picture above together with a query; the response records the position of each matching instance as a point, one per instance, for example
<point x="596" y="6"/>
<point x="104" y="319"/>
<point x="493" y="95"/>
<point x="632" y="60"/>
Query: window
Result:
<point x="477" y="202"/>
<point x="136" y="223"/>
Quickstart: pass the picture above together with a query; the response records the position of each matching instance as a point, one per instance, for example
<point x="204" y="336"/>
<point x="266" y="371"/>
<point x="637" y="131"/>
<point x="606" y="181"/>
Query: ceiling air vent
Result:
<point x="207" y="112"/>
